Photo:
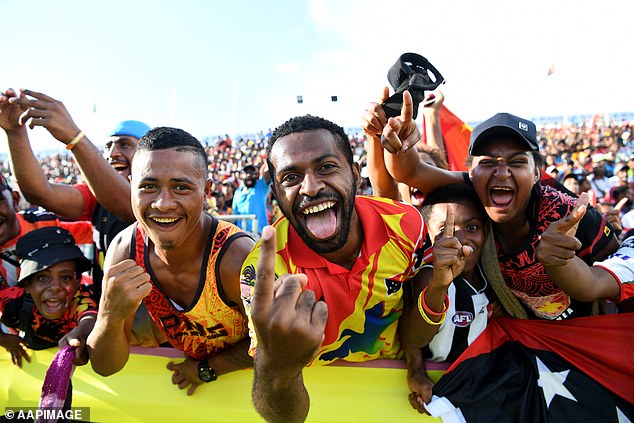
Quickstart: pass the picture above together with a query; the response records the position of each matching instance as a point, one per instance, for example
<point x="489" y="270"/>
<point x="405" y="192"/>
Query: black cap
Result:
<point x="44" y="247"/>
<point x="249" y="168"/>
<point x="504" y="124"/>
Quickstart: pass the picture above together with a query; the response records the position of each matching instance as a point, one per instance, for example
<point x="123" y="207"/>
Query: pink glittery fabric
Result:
<point x="57" y="380"/>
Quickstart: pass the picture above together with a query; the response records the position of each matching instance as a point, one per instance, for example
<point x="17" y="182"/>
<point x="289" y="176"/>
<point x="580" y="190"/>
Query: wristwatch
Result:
<point x="206" y="373"/>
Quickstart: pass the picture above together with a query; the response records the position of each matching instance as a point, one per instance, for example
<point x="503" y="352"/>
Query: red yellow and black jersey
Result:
<point x="365" y="302"/>
<point x="209" y="325"/>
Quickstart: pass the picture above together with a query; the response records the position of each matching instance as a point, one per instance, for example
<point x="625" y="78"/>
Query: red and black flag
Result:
<point x="542" y="371"/>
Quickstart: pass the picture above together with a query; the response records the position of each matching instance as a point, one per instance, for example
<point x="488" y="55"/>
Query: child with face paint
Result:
<point x="49" y="306"/>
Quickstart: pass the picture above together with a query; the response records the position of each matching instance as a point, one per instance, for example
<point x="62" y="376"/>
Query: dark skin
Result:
<point x="15" y="346"/>
<point x="169" y="188"/>
<point x="290" y="325"/>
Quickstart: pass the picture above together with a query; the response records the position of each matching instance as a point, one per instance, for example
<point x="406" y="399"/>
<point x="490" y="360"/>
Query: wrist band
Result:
<point x="75" y="140"/>
<point x="428" y="320"/>
<point x="428" y="310"/>
<point x="425" y="311"/>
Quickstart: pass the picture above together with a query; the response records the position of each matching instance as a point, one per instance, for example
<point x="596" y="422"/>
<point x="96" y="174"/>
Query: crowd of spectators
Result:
<point x="590" y="155"/>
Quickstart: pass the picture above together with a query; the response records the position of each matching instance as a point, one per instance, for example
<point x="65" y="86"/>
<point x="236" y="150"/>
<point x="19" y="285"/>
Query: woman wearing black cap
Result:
<point x="49" y="306"/>
<point x="506" y="178"/>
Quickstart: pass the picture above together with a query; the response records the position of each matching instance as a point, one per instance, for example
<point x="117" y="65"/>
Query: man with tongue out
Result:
<point x="504" y="174"/>
<point x="343" y="259"/>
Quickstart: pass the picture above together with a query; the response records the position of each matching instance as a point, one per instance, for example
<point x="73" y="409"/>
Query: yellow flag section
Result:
<point x="143" y="391"/>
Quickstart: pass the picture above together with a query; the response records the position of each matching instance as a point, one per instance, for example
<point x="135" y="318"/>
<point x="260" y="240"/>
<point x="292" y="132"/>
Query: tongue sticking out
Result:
<point x="501" y="198"/>
<point x="323" y="224"/>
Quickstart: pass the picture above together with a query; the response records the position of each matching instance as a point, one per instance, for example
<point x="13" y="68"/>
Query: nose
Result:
<point x="164" y="200"/>
<point x="311" y="185"/>
<point x="502" y="169"/>
<point x="54" y="283"/>
<point x="115" y="150"/>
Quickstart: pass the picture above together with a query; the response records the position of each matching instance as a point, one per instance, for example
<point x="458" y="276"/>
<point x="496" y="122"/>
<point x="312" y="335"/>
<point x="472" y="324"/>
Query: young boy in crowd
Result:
<point x="49" y="306"/>
<point x="450" y="305"/>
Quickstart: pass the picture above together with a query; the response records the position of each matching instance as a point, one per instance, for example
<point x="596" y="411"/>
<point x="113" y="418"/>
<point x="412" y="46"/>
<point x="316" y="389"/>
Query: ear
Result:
<point x="537" y="174"/>
<point x="16" y="200"/>
<point x="356" y="174"/>
<point x="209" y="187"/>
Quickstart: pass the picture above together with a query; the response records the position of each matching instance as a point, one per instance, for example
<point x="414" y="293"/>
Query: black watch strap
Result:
<point x="206" y="373"/>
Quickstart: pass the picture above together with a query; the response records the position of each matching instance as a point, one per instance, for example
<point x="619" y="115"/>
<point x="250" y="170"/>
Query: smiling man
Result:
<point x="353" y="256"/>
<point x="182" y="263"/>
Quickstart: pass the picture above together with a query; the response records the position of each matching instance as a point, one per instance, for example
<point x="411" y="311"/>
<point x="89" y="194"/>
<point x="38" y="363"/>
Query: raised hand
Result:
<point x="42" y="110"/>
<point x="126" y="284"/>
<point x="558" y="243"/>
<point x="374" y="119"/>
<point x="288" y="320"/>
<point x="400" y="134"/>
<point x="450" y="256"/>
<point x="10" y="111"/>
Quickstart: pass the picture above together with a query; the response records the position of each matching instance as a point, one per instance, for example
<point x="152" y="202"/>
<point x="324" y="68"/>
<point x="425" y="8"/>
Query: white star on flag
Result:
<point x="552" y="383"/>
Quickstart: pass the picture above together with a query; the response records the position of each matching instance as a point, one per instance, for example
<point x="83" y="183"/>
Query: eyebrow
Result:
<point x="518" y="153"/>
<point x="318" y="159"/>
<point x="153" y="179"/>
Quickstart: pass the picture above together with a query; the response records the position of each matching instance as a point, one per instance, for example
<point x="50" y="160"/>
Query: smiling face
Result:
<point x="169" y="188"/>
<point x="503" y="175"/>
<point x="315" y="187"/>
<point x="52" y="289"/>
<point x="118" y="151"/>
<point x="469" y="227"/>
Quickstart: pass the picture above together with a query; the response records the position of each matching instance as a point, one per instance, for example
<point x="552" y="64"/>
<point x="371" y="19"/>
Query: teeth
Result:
<point x="319" y="207"/>
<point x="502" y="189"/>
<point x="164" y="220"/>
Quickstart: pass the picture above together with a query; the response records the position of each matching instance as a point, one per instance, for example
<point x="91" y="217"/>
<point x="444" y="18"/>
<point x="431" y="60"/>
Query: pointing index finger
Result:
<point x="450" y="221"/>
<point x="572" y="220"/>
<point x="407" y="111"/>
<point x="264" y="278"/>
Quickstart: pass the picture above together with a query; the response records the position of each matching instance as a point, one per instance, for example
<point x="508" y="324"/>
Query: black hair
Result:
<point x="309" y="123"/>
<point x="452" y="193"/>
<point x="163" y="138"/>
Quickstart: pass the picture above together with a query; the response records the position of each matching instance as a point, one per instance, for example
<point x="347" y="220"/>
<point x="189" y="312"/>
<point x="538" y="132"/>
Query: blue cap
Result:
<point x="504" y="124"/>
<point x="131" y="128"/>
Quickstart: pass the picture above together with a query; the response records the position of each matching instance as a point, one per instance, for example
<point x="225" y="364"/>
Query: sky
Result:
<point x="237" y="67"/>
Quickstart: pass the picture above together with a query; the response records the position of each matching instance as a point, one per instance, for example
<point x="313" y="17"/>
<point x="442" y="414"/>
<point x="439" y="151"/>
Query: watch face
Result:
<point x="206" y="373"/>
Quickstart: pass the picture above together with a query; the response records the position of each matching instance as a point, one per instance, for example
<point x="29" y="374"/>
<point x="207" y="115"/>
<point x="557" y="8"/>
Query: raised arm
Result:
<point x="124" y="286"/>
<point x="557" y="252"/>
<point x="431" y="288"/>
<point x="433" y="131"/>
<point x="372" y="122"/>
<point x="402" y="161"/>
<point x="110" y="188"/>
<point x="289" y="324"/>
<point x="26" y="169"/>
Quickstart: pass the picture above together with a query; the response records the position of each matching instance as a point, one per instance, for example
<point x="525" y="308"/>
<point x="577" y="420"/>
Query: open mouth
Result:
<point x="501" y="196"/>
<point x="321" y="219"/>
<point x="417" y="195"/>
<point x="119" y="167"/>
<point x="53" y="306"/>
<point x="165" y="221"/>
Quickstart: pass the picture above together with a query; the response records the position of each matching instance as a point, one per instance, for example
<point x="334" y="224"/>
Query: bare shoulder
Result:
<point x="119" y="249"/>
<point x="236" y="253"/>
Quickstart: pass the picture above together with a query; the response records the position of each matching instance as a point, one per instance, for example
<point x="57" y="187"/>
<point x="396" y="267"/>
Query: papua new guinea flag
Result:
<point x="577" y="370"/>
